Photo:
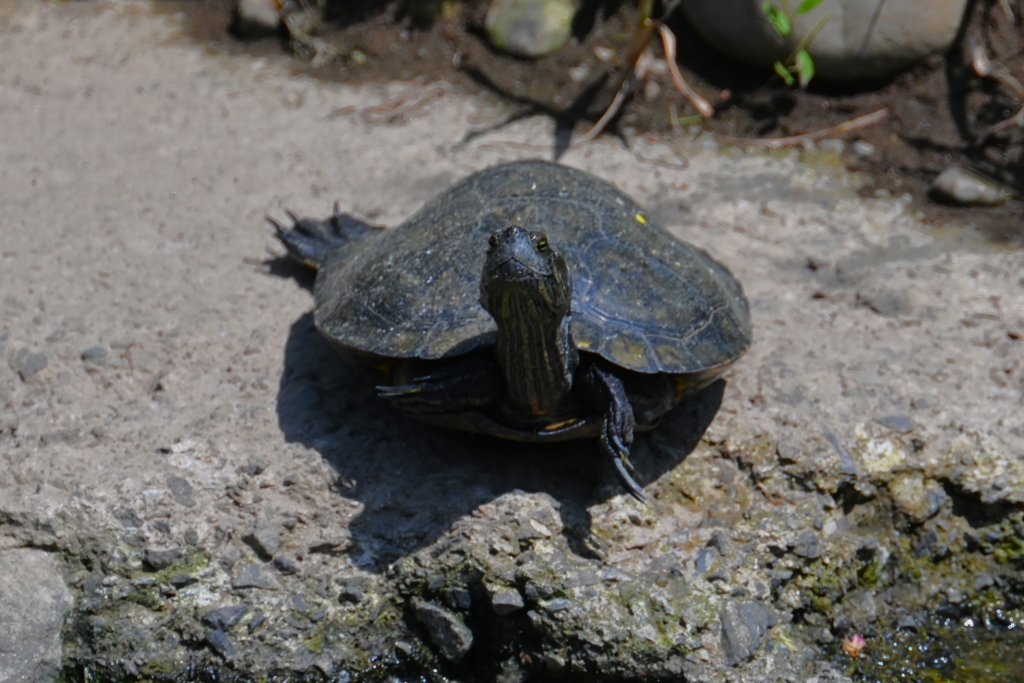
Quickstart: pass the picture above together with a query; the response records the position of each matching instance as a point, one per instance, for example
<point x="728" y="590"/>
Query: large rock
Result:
<point x="861" y="38"/>
<point x="33" y="602"/>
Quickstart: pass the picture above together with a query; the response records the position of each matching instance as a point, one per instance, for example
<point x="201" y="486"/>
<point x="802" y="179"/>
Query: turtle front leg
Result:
<point x="617" y="429"/>
<point x="457" y="385"/>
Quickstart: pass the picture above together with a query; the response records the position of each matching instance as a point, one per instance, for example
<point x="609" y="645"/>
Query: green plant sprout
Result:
<point x="800" y="65"/>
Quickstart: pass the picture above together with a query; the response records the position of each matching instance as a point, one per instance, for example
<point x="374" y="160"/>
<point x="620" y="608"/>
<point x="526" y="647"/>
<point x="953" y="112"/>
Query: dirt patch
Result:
<point x="939" y="113"/>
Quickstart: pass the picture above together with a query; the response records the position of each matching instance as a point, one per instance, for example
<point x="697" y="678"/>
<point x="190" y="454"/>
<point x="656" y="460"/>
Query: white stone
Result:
<point x="958" y="185"/>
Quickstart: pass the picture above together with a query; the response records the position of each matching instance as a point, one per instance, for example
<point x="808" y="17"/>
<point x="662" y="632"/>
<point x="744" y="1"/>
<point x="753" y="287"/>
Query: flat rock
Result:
<point x="254" y="576"/>
<point x="33" y="602"/>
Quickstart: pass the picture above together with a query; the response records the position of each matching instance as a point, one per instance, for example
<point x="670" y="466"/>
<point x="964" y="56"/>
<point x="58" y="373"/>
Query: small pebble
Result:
<point x="27" y="364"/>
<point x="181" y="490"/>
<point x="156" y="560"/>
<point x="862" y="149"/>
<point x="94" y="353"/>
<point x="253" y="576"/>
<point x="446" y="629"/>
<point x="579" y="73"/>
<point x="220" y="643"/>
<point x="265" y="539"/>
<point x="181" y="580"/>
<point x="506" y="602"/>
<point x="958" y="185"/>
<point x="285" y="565"/>
<point x="901" y="424"/>
<point x="225" y="618"/>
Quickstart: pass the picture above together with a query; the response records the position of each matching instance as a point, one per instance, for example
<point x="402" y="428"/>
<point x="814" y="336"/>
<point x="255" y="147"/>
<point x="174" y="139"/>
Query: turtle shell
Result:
<point x="641" y="298"/>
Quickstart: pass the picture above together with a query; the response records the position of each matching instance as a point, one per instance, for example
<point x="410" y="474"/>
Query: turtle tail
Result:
<point x="310" y="241"/>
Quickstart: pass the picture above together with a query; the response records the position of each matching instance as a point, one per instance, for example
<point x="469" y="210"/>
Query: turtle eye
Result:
<point x="493" y="241"/>
<point x="542" y="244"/>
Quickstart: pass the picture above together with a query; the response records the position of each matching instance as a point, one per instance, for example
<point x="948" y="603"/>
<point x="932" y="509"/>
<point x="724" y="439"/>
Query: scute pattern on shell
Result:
<point x="641" y="298"/>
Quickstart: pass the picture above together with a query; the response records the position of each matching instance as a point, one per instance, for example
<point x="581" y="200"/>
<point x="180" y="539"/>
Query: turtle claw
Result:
<point x="623" y="467"/>
<point x="634" y="489"/>
<point x="622" y="452"/>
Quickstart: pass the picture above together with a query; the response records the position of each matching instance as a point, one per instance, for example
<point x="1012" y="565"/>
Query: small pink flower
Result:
<point x="854" y="644"/>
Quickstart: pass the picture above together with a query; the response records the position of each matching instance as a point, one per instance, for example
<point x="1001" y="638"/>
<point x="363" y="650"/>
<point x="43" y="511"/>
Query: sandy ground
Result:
<point x="161" y="381"/>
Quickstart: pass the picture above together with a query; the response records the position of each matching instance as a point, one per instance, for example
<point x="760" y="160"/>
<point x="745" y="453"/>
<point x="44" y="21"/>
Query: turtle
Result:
<point x="530" y="301"/>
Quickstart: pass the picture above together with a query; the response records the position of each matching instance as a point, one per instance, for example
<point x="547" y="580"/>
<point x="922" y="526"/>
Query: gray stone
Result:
<point x="958" y="185"/>
<point x="33" y="602"/>
<point x="157" y="559"/>
<point x="529" y="28"/>
<point x="847" y="465"/>
<point x="265" y="539"/>
<point x="182" y="491"/>
<point x="807" y="545"/>
<point x="27" y="364"/>
<point x="220" y="643"/>
<point x="446" y="629"/>
<point x="253" y="576"/>
<point x="459" y="598"/>
<point x="181" y="579"/>
<point x="744" y="623"/>
<point x="901" y="424"/>
<point x="285" y="565"/>
<point x="225" y="618"/>
<point x="506" y="601"/>
<point x="860" y="39"/>
<point x="705" y="558"/>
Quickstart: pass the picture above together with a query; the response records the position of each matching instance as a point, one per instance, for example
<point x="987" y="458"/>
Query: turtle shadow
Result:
<point x="414" y="481"/>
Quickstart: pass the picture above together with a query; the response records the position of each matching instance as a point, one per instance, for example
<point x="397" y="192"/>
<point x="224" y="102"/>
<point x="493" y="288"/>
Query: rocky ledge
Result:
<point x="193" y="487"/>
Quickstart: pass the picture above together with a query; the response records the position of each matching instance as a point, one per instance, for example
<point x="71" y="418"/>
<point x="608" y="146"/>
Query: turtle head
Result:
<point x="524" y="276"/>
<point x="525" y="287"/>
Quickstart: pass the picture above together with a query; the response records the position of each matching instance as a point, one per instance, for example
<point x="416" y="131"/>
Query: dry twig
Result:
<point x="640" y="69"/>
<point x="393" y="111"/>
<point x="986" y="68"/>
<point x="668" y="39"/>
<point x="844" y="127"/>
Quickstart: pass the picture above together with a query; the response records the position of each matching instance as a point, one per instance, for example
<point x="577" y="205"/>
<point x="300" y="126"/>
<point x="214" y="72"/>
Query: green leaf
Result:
<point x="784" y="73"/>
<point x="777" y="18"/>
<point x="804" y="67"/>
<point x="806" y="6"/>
